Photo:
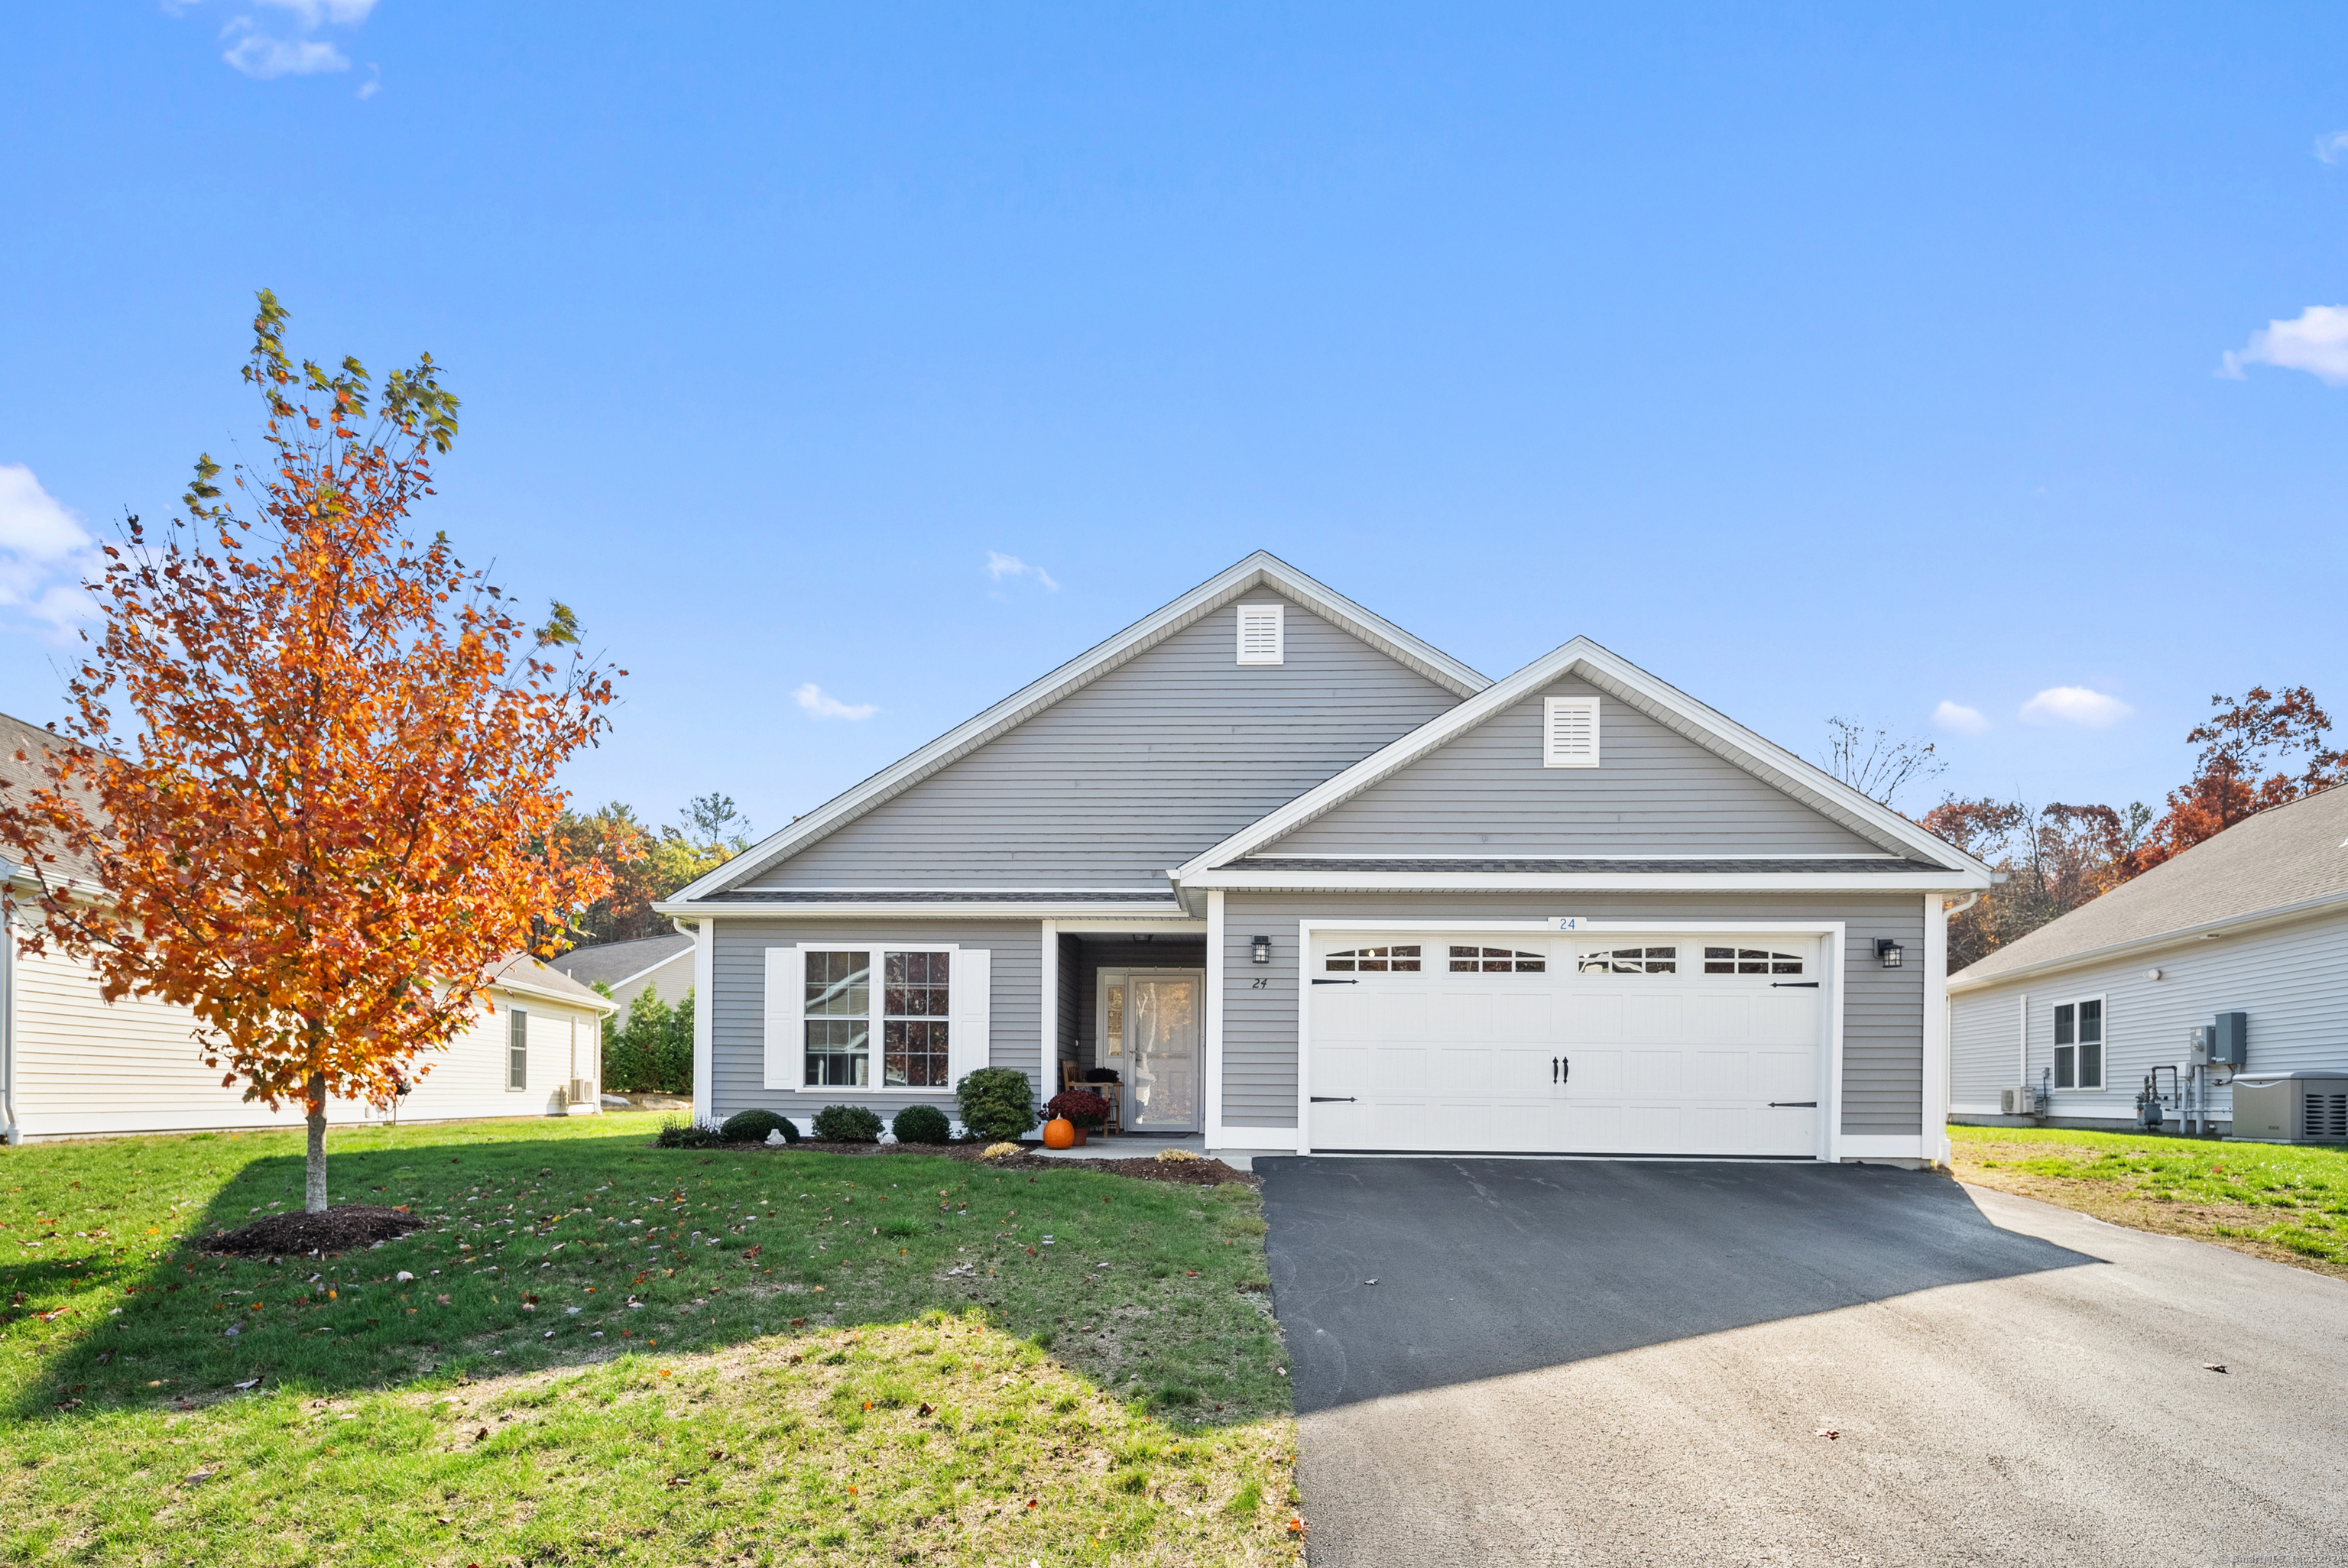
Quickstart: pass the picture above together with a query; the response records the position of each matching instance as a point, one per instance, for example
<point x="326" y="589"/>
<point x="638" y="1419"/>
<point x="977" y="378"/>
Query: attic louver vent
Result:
<point x="1261" y="641"/>
<point x="1569" y="733"/>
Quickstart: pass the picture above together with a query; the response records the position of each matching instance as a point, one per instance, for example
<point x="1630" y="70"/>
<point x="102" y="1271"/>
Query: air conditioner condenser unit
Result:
<point x="2021" y="1102"/>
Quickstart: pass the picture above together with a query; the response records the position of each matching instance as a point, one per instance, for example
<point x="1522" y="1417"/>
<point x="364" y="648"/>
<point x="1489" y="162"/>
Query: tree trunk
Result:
<point x="314" y="1196"/>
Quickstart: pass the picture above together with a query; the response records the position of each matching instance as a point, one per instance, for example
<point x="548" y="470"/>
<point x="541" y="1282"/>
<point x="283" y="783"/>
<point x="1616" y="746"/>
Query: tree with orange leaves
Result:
<point x="331" y="811"/>
<point x="2236" y="743"/>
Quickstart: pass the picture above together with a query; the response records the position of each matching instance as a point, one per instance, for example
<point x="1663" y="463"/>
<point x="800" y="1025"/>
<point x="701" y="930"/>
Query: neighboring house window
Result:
<point x="1569" y="733"/>
<point x="1373" y="958"/>
<point x="1631" y="961"/>
<point x="1495" y="961"/>
<point x="838" y="1020"/>
<point x="1260" y="634"/>
<point x="1749" y="961"/>
<point x="916" y="990"/>
<point x="2079" y="1044"/>
<point x="913" y="996"/>
<point x="516" y="1049"/>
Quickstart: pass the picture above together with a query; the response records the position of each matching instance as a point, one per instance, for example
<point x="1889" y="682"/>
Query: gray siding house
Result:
<point x="1303" y="883"/>
<point x="2253" y="921"/>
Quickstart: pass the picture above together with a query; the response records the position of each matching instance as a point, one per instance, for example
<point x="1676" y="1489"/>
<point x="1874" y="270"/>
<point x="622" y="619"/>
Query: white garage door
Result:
<point x="1579" y="1042"/>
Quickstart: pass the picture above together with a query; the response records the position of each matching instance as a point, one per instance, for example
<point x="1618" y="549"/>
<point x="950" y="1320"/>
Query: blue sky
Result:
<point x="1820" y="360"/>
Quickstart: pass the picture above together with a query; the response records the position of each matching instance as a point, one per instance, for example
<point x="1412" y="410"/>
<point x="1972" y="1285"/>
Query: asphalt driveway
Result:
<point x="1602" y="1362"/>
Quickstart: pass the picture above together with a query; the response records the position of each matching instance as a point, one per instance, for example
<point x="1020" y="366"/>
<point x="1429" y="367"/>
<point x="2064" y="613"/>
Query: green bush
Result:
<point x="997" y="1102"/>
<point x="652" y="1053"/>
<point x="846" y="1124"/>
<point x="922" y="1125"/>
<point x="676" y="1135"/>
<point x="751" y="1127"/>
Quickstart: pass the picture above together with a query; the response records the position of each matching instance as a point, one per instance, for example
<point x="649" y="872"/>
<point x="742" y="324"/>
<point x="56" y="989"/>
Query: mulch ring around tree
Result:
<point x="347" y="1227"/>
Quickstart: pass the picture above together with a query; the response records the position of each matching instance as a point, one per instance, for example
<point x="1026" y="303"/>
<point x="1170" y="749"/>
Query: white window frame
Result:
<point x="875" y="1018"/>
<point x="1551" y="757"/>
<point x="1278" y="613"/>
<point x="2103" y="1059"/>
<point x="516" y="1050"/>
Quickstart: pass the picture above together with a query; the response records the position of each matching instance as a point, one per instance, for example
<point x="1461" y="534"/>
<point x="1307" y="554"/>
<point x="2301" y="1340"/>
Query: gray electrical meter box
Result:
<point x="2229" y="1039"/>
<point x="2197" y="1041"/>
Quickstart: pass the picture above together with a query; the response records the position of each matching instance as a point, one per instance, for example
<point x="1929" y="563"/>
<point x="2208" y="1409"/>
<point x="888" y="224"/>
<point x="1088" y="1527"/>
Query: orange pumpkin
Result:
<point x="1059" y="1132"/>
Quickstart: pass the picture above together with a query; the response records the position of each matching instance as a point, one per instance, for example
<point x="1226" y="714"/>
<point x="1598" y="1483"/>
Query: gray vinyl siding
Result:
<point x="2293" y="981"/>
<point x="737" y="1018"/>
<point x="1883" y="1009"/>
<point x="1070" y="989"/>
<point x="1157" y="760"/>
<point x="1654" y="791"/>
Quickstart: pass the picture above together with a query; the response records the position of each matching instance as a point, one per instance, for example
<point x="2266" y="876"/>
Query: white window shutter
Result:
<point x="969" y="1013"/>
<point x="1262" y="634"/>
<point x="786" y="1015"/>
<point x="1569" y="733"/>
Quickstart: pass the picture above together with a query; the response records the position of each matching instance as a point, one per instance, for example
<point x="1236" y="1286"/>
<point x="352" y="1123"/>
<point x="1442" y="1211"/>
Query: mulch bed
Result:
<point x="1147" y="1168"/>
<point x="347" y="1227"/>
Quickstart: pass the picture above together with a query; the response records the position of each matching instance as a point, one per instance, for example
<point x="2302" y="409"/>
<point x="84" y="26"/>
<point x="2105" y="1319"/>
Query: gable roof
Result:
<point x="614" y="964"/>
<point x="1904" y="842"/>
<point x="19" y="735"/>
<point x="2285" y="860"/>
<point x="1261" y="570"/>
<point x="525" y="976"/>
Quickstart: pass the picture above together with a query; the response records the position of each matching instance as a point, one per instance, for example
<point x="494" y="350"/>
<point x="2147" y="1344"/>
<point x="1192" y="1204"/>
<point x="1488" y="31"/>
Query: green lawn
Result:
<point x="613" y="1353"/>
<point x="2288" y="1201"/>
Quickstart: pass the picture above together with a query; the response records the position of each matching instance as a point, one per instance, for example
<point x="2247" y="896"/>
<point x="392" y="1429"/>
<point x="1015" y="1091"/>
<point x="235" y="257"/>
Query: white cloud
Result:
<point x="342" y="12"/>
<point x="1957" y="717"/>
<point x="1000" y="566"/>
<point x="373" y="84"/>
<point x="2315" y="341"/>
<point x="2075" y="705"/>
<point x="811" y="697"/>
<point x="44" y="553"/>
<point x="264" y="58"/>
<point x="2333" y="147"/>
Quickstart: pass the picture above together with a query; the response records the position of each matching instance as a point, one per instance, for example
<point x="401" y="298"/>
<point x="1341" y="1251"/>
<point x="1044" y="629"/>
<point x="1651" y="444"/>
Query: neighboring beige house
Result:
<point x="73" y="1065"/>
<point x="625" y="968"/>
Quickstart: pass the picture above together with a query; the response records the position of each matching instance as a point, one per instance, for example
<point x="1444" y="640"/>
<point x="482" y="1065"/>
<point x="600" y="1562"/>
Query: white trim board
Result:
<point x="1261" y="569"/>
<point x="1625" y="682"/>
<point x="1170" y="911"/>
<point x="1237" y="880"/>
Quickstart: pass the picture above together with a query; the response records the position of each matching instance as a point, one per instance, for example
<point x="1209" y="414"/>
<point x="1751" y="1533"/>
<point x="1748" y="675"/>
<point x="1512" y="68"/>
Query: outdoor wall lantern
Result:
<point x="1261" y="949"/>
<point x="1887" y="952"/>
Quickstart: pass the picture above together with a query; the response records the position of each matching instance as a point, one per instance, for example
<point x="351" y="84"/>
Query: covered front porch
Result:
<point x="1130" y="1025"/>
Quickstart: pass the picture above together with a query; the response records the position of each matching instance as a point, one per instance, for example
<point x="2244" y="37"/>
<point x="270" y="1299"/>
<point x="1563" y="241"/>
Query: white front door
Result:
<point x="1164" y="1018"/>
<point x="1677" y="1044"/>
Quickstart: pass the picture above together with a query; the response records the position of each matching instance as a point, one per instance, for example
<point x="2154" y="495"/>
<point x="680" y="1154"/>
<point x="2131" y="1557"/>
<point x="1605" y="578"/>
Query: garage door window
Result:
<point x="1361" y="958"/>
<point x="2079" y="1044"/>
<point x="1631" y="961"/>
<point x="1749" y="961"/>
<point x="1495" y="961"/>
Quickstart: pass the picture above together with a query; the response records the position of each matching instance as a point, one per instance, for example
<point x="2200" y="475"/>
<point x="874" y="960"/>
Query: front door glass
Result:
<point x="1163" y="1025"/>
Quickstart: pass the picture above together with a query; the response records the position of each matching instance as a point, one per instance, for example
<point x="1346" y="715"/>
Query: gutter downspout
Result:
<point x="1948" y="1026"/>
<point x="12" y="1130"/>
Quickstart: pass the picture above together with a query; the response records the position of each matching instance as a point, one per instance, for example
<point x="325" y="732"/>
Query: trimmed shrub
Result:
<point x="676" y="1134"/>
<point x="922" y="1125"/>
<point x="751" y="1127"/>
<point x="997" y="1102"/>
<point x="846" y="1124"/>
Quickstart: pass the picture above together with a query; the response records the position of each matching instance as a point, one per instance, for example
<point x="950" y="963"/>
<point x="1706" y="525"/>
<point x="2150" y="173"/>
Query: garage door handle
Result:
<point x="1793" y="985"/>
<point x="1560" y="1069"/>
<point x="1795" y="1104"/>
<point x="1333" y="1100"/>
<point x="1322" y="982"/>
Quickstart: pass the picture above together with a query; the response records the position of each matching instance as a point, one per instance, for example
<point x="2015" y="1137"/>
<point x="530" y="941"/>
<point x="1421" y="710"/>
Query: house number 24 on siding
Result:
<point x="1262" y="983"/>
